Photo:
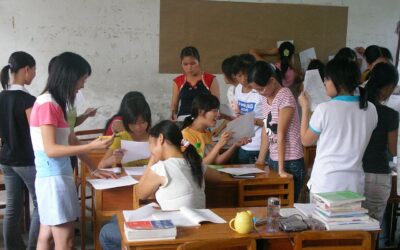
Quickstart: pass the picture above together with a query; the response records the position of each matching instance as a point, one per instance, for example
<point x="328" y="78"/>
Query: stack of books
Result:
<point x="343" y="211"/>
<point x="150" y="230"/>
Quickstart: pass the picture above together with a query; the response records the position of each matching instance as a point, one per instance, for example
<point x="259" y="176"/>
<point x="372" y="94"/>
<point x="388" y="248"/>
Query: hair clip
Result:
<point x="185" y="143"/>
<point x="286" y="53"/>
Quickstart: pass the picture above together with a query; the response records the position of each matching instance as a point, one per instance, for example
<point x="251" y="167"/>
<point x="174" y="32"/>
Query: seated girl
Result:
<point x="136" y="118"/>
<point x="204" y="115"/>
<point x="114" y="124"/>
<point x="174" y="176"/>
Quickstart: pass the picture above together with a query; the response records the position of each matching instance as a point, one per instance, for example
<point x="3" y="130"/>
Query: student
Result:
<point x="383" y="79"/>
<point x="114" y="124"/>
<point x="284" y="65"/>
<point x="16" y="153"/>
<point x="203" y="116"/>
<point x="348" y="53"/>
<point x="174" y="176"/>
<point x="57" y="199"/>
<point x="191" y="83"/>
<point x="373" y="55"/>
<point x="230" y="79"/>
<point x="281" y="131"/>
<point x="342" y="127"/>
<point x="136" y="118"/>
<point x="248" y="100"/>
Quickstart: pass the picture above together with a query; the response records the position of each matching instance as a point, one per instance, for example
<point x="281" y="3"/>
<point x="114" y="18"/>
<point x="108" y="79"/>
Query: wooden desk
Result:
<point x="221" y="191"/>
<point x="210" y="231"/>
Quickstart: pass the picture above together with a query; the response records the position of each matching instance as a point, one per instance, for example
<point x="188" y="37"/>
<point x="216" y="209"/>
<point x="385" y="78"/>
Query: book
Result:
<point x="338" y="198"/>
<point x="184" y="217"/>
<point x="322" y="218"/>
<point x="149" y="230"/>
<point x="370" y="224"/>
<point x="307" y="209"/>
<point x="359" y="212"/>
<point x="349" y="206"/>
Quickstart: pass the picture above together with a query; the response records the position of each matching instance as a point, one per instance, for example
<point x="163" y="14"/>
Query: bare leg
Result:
<point x="64" y="236"/>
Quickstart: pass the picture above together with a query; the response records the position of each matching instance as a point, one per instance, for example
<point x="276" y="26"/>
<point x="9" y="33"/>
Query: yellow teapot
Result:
<point x="243" y="222"/>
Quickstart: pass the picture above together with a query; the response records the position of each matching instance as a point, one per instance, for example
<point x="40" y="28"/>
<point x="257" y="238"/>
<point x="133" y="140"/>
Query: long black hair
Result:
<point x="202" y="102"/>
<point x="286" y="51"/>
<point x="172" y="134"/>
<point x="17" y="61"/>
<point x="346" y="75"/>
<point x="381" y="76"/>
<point x="65" y="72"/>
<point x="134" y="109"/>
<point x="122" y="106"/>
<point x="260" y="73"/>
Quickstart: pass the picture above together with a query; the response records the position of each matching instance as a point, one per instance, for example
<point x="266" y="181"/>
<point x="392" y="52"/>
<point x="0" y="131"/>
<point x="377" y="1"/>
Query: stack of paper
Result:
<point x="101" y="184"/>
<point x="134" y="151"/>
<point x="241" y="171"/>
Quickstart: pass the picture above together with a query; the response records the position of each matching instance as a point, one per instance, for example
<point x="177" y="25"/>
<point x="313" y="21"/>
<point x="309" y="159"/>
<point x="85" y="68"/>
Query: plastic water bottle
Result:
<point x="273" y="208"/>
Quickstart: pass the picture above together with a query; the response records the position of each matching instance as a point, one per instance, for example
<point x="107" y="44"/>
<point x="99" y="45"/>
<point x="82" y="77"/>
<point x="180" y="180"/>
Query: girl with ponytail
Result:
<point x="174" y="176"/>
<point x="16" y="152"/>
<point x="341" y="128"/>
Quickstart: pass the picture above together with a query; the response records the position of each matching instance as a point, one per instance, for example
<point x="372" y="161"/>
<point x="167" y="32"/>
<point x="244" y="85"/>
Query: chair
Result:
<point x="338" y="240"/>
<point x="254" y="193"/>
<point x="393" y="211"/>
<point x="240" y="243"/>
<point x="88" y="135"/>
<point x="96" y="157"/>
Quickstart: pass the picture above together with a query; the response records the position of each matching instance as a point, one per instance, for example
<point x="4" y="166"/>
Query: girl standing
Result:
<point x="16" y="153"/>
<point x="56" y="192"/>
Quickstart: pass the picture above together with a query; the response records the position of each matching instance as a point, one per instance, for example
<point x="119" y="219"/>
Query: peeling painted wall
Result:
<point x="121" y="41"/>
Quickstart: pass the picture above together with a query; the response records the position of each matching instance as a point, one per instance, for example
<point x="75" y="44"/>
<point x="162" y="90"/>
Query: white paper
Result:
<point x="330" y="57"/>
<point x="243" y="126"/>
<point x="286" y="212"/>
<point x="315" y="88"/>
<point x="226" y="110"/>
<point x="278" y="43"/>
<point x="142" y="213"/>
<point x="181" y="118"/>
<point x="306" y="209"/>
<point x="134" y="151"/>
<point x="241" y="171"/>
<point x="115" y="170"/>
<point x="135" y="170"/>
<point x="306" y="56"/>
<point x="394" y="102"/>
<point x="101" y="184"/>
<point x="188" y="217"/>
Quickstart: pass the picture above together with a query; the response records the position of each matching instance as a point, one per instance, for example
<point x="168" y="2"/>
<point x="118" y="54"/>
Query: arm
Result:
<point x="52" y="149"/>
<point x="308" y="137"/>
<point x="149" y="182"/>
<point x="392" y="142"/>
<point x="28" y="113"/>
<point x="285" y="116"/>
<point x="260" y="54"/>
<point x="175" y="101"/>
<point x="111" y="158"/>
<point x="263" y="148"/>
<point x="214" y="89"/>
<point x="90" y="112"/>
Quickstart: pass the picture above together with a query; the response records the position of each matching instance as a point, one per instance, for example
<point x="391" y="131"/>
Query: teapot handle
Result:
<point x="232" y="226"/>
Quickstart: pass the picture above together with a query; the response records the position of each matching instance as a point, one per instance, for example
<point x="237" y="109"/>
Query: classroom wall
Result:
<point x="121" y="41"/>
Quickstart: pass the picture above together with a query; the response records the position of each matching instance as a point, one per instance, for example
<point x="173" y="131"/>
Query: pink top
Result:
<point x="289" y="77"/>
<point x="293" y="147"/>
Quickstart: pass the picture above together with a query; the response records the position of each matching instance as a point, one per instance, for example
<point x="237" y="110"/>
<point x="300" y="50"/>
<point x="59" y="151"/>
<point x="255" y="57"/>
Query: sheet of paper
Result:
<point x="286" y="212"/>
<point x="278" y="43"/>
<point x="241" y="171"/>
<point x="394" y="102"/>
<point x="134" y="151"/>
<point x="142" y="213"/>
<point x="181" y="118"/>
<point x="306" y="56"/>
<point x="226" y="110"/>
<point x="135" y="170"/>
<point x="330" y="57"/>
<point x="177" y="217"/>
<point x="201" y="215"/>
<point x="115" y="170"/>
<point x="243" y="126"/>
<point x="315" y="88"/>
<point x="306" y="209"/>
<point x="101" y="184"/>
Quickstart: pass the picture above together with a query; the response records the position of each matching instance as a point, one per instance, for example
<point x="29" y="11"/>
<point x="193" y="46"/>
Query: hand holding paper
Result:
<point x="314" y="87"/>
<point x="134" y="151"/>
<point x="241" y="127"/>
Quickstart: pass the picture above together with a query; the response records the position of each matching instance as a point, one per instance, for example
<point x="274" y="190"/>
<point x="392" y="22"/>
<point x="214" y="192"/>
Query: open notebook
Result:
<point x="185" y="217"/>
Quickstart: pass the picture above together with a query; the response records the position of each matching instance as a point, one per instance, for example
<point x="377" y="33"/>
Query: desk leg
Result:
<point x="83" y="215"/>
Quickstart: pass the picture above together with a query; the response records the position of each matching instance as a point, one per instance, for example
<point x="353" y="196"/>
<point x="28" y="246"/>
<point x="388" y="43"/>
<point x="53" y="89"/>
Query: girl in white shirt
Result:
<point x="342" y="127"/>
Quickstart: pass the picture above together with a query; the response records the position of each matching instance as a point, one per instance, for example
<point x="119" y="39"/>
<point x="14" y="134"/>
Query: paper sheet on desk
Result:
<point x="134" y="151"/>
<point x="135" y="170"/>
<point x="243" y="126"/>
<point x="314" y="86"/>
<point x="101" y="184"/>
<point x="306" y="56"/>
<point x="241" y="171"/>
